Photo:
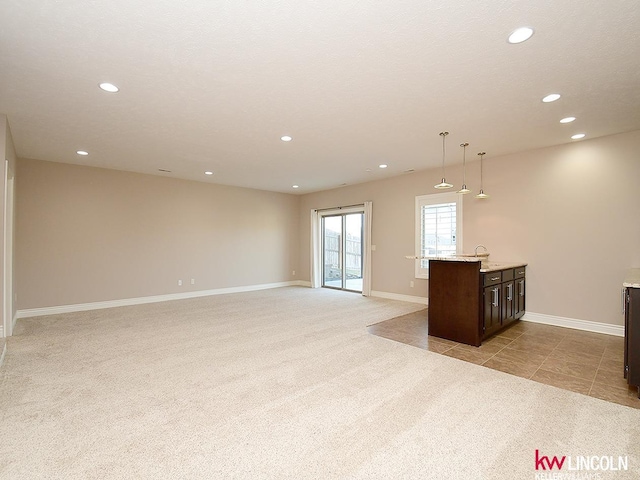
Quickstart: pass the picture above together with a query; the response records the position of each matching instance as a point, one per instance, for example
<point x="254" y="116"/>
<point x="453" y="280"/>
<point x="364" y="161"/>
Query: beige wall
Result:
<point x="572" y="212"/>
<point x="87" y="234"/>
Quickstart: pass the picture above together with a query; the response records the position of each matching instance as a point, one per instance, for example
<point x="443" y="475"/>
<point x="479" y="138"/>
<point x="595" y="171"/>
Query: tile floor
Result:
<point x="584" y="362"/>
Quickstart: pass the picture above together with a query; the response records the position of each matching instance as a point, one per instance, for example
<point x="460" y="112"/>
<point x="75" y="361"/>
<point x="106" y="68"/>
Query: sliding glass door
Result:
<point x="342" y="251"/>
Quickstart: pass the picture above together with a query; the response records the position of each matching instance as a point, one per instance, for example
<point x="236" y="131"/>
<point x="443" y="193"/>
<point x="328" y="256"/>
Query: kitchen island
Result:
<point x="470" y="299"/>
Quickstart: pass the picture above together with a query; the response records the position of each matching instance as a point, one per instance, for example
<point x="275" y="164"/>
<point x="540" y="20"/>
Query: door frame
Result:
<point x="343" y="212"/>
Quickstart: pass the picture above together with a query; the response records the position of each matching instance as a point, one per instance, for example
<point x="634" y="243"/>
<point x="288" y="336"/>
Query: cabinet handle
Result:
<point x="522" y="288"/>
<point x="521" y="273"/>
<point x="495" y="300"/>
<point x="510" y="292"/>
<point x="495" y="278"/>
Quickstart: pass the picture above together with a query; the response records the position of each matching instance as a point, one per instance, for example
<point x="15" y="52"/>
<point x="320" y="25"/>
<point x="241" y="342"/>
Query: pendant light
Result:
<point x="481" y="194"/>
<point x="464" y="190"/>
<point x="442" y="185"/>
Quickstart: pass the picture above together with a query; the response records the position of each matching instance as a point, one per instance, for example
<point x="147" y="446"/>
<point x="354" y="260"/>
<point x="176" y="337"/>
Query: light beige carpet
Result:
<point x="282" y="383"/>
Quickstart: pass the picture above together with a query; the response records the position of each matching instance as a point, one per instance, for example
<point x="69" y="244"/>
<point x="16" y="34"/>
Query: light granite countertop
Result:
<point x="493" y="266"/>
<point x="485" y="266"/>
<point x="632" y="280"/>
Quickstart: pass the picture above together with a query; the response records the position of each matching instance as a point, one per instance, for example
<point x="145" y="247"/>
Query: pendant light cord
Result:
<point x="464" y="163"/>
<point x="443" y="135"/>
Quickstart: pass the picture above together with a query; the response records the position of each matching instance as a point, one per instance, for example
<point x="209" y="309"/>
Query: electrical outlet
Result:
<point x="411" y="283"/>
<point x="179" y="283"/>
<point x="193" y="281"/>
<point x="293" y="273"/>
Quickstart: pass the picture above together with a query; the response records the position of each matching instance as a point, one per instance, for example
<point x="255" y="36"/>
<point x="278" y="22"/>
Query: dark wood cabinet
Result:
<point x="491" y="311"/>
<point x="467" y="305"/>
<point x="632" y="336"/>
<point x="492" y="300"/>
<point x="508" y="290"/>
<point x="503" y="299"/>
<point x="454" y="301"/>
<point x="519" y="295"/>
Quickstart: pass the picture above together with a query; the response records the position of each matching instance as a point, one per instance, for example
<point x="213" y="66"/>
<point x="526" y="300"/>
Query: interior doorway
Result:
<point x="342" y="251"/>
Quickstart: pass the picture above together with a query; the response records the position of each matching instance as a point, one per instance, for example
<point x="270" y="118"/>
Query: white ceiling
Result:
<point x="212" y="85"/>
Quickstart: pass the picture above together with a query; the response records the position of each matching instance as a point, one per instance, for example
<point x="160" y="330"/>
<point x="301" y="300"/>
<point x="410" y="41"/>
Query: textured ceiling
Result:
<point x="212" y="85"/>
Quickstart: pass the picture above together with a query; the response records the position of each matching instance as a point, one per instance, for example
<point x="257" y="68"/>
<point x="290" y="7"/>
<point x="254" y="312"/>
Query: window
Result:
<point x="438" y="228"/>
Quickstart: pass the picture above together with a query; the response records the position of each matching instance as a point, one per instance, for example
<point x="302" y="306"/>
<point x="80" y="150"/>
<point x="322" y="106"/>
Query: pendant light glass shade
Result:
<point x="481" y="194"/>
<point x="442" y="185"/>
<point x="464" y="190"/>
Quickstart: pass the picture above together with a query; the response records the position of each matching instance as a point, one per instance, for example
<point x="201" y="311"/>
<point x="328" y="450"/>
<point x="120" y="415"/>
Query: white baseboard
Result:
<point x="401" y="297"/>
<point x="82" y="307"/>
<point x="586" y="325"/>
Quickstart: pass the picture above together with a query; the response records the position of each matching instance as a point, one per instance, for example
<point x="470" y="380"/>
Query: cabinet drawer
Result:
<point x="519" y="272"/>
<point x="507" y="275"/>
<point x="491" y="278"/>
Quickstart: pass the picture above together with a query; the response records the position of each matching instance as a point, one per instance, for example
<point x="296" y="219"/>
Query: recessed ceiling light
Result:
<point x="82" y="152"/>
<point x="551" y="97"/>
<point x="295" y="186"/>
<point x="520" y="35"/>
<point x="286" y="138"/>
<point x="109" y="87"/>
<point x="383" y="165"/>
<point x="578" y="136"/>
<point x="567" y="120"/>
<point x="208" y="173"/>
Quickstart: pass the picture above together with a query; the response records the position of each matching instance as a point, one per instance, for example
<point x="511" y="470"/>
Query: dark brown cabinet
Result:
<point x="519" y="296"/>
<point x="508" y="296"/>
<point x="467" y="305"/>
<point x="491" y="313"/>
<point x="492" y="299"/>
<point x="503" y="299"/>
<point x="507" y="302"/>
<point x="632" y="336"/>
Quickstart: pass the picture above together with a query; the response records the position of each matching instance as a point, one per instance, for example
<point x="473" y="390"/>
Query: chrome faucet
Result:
<point x="477" y="247"/>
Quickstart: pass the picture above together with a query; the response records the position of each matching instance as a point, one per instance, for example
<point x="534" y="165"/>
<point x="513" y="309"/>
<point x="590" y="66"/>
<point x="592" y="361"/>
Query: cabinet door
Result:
<point x="491" y="311"/>
<point x="633" y="337"/>
<point x="625" y="307"/>
<point x="519" y="300"/>
<point x="508" y="302"/>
